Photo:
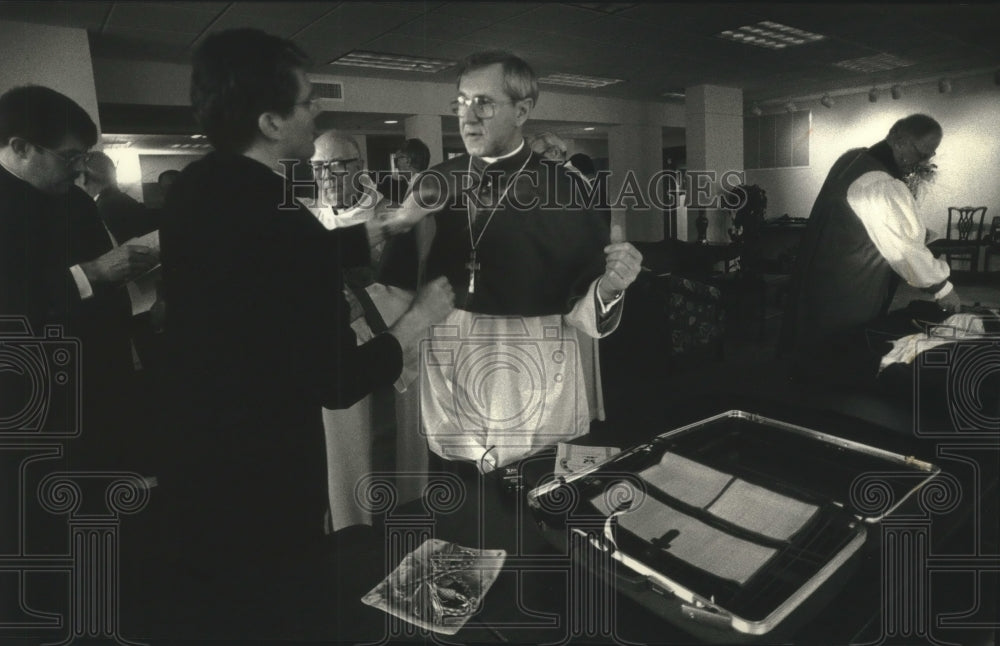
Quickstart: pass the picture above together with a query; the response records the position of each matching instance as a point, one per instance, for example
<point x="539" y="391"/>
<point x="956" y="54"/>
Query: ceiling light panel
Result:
<point x="577" y="80"/>
<point x="376" y="60"/>
<point x="877" y="63"/>
<point x="770" y="35"/>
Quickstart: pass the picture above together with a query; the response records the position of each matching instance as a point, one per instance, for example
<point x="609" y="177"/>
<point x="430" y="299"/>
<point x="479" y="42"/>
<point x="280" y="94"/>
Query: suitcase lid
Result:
<point x="765" y="457"/>
<point x="868" y="481"/>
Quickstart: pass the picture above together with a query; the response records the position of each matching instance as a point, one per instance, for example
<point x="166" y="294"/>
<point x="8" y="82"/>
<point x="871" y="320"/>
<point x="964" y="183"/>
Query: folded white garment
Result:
<point x="762" y="511"/>
<point x="686" y="480"/>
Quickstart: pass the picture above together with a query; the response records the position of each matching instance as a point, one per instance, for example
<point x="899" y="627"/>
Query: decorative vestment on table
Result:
<point x="501" y="377"/>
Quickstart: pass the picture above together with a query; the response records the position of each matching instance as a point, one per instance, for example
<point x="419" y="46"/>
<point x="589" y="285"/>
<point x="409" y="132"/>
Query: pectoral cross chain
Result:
<point x="473" y="267"/>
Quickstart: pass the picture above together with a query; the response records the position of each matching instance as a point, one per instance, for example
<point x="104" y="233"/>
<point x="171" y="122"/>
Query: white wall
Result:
<point x="968" y="159"/>
<point x="152" y="83"/>
<point x="57" y="57"/>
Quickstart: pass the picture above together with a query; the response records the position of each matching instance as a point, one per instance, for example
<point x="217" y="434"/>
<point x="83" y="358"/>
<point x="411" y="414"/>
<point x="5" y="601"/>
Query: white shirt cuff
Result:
<point x="82" y="284"/>
<point x="606" y="307"/>
<point x="944" y="291"/>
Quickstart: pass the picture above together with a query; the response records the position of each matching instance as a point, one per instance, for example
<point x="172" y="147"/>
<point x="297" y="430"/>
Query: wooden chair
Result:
<point x="963" y="236"/>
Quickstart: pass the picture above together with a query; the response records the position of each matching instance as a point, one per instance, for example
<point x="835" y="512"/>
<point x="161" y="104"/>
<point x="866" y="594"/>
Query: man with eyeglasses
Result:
<point x="863" y="235"/>
<point x="529" y="268"/>
<point x="57" y="264"/>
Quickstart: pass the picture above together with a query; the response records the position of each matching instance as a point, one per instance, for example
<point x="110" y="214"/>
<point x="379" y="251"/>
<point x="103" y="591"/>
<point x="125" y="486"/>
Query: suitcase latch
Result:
<point x="708" y="616"/>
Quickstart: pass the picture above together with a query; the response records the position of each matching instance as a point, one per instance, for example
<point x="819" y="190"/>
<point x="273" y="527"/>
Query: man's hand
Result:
<point x="951" y="302"/>
<point x="121" y="264"/>
<point x="402" y="218"/>
<point x="431" y="305"/>
<point x="621" y="266"/>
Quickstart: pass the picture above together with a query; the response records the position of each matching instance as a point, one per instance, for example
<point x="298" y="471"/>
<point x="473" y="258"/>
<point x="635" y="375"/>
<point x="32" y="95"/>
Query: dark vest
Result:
<point x="841" y="281"/>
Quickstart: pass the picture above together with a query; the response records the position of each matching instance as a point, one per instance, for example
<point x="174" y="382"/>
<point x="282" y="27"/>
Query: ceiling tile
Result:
<point x="285" y="28"/>
<point x="355" y="22"/>
<point x="152" y="35"/>
<point x="304" y="12"/>
<point x="430" y="26"/>
<point x="85" y="15"/>
<point x="488" y="11"/>
<point x="553" y="17"/>
<point x="161" y="17"/>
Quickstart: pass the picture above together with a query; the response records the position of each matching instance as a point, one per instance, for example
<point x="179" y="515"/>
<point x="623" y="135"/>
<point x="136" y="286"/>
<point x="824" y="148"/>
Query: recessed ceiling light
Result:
<point x="390" y="121"/>
<point x="577" y="80"/>
<point x="381" y="61"/>
<point x="770" y="35"/>
<point x="877" y="63"/>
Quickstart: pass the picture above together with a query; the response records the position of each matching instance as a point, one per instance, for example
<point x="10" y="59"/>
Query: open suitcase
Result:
<point x="736" y="528"/>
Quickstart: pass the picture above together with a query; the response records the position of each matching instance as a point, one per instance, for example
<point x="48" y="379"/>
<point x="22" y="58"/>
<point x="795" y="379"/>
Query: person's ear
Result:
<point x="269" y="124"/>
<point x="523" y="107"/>
<point x="20" y="146"/>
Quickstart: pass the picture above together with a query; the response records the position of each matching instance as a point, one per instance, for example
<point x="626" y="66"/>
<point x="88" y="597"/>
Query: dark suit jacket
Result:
<point x="41" y="236"/>
<point x="258" y="340"/>
<point x="125" y="217"/>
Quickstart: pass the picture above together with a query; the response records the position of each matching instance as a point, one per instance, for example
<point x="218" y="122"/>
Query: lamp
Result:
<point x="896" y="91"/>
<point x="826" y="101"/>
<point x="873" y="95"/>
<point x="944" y="86"/>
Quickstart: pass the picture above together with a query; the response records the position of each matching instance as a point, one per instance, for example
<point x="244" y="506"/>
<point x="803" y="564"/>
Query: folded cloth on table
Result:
<point x="956" y="327"/>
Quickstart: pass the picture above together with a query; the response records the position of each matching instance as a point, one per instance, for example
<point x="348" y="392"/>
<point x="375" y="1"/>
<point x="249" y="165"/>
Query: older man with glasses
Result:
<point x="864" y="234"/>
<point x="501" y="378"/>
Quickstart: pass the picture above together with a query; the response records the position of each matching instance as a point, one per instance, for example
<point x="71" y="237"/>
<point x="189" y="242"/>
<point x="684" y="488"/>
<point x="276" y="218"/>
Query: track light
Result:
<point x="873" y="95"/>
<point x="944" y="86"/>
<point x="756" y="111"/>
<point x="896" y="91"/>
<point x="826" y="101"/>
<point x="790" y="107"/>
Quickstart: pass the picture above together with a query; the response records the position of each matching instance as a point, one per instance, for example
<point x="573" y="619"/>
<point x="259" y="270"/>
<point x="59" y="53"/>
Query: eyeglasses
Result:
<point x="69" y="158"/>
<point x="332" y="165"/>
<point x="483" y="107"/>
<point x="921" y="155"/>
<point x="309" y="103"/>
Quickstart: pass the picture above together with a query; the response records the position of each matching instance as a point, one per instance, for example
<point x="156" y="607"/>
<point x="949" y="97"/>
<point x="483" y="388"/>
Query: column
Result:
<point x="427" y="128"/>
<point x="714" y="140"/>
<point x="56" y="57"/>
<point x="635" y="157"/>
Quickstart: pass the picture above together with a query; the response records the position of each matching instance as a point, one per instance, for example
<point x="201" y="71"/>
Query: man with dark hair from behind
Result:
<point x="258" y="341"/>
<point x="862" y="236"/>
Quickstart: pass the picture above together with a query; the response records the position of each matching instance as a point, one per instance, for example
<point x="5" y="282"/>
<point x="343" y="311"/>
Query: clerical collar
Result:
<point x="13" y="172"/>
<point x="491" y="160"/>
